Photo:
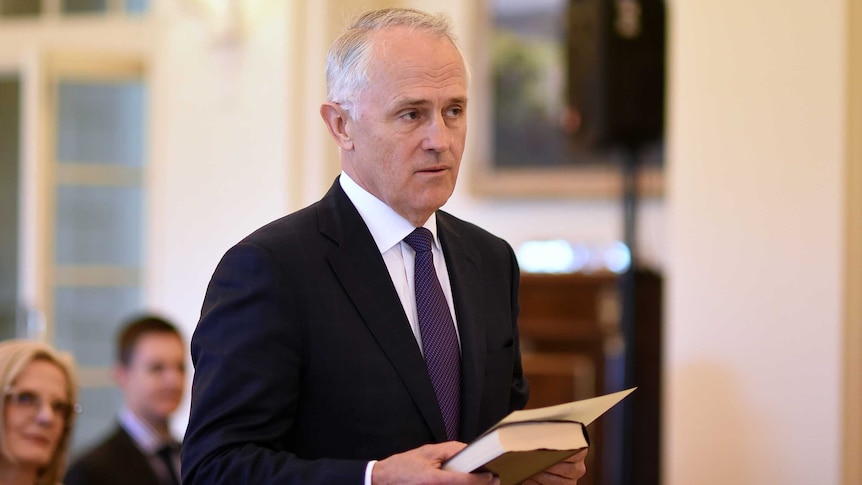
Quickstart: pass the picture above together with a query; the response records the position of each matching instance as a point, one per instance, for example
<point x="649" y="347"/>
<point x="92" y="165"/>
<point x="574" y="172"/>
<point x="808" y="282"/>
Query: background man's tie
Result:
<point x="166" y="455"/>
<point x="439" y="340"/>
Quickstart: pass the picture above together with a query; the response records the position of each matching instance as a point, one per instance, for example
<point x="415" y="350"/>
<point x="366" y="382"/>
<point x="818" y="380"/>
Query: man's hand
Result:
<point x="566" y="472"/>
<point x="422" y="466"/>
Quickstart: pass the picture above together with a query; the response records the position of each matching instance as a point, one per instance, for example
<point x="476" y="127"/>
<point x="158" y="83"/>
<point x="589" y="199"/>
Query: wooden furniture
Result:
<point x="574" y="348"/>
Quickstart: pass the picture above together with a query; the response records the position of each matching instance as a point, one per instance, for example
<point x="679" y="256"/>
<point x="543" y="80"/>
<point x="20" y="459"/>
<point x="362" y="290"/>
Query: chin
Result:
<point x="166" y="410"/>
<point x="39" y="458"/>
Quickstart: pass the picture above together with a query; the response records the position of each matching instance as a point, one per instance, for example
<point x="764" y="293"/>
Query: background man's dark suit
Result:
<point x="305" y="363"/>
<point x="116" y="461"/>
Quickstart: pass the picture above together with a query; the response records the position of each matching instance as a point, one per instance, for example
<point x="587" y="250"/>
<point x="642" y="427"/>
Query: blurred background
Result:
<point x="715" y="250"/>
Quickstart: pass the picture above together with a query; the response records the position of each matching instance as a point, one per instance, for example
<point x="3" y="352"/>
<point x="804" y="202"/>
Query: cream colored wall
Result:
<point x="853" y="239"/>
<point x="220" y="115"/>
<point x="756" y="221"/>
<point x="220" y="138"/>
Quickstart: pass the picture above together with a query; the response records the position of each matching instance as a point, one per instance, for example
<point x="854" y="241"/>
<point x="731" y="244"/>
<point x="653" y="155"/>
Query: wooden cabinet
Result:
<point x="574" y="347"/>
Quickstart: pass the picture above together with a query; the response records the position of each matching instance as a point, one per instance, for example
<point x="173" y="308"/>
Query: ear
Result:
<point x="336" y="121"/>
<point x="120" y="376"/>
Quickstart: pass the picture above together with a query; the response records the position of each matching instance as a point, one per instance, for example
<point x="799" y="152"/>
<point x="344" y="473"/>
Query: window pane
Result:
<point x="10" y="123"/>
<point x="99" y="226"/>
<point x="83" y="6"/>
<point x="88" y="318"/>
<point x="137" y="6"/>
<point x="11" y="8"/>
<point x="98" y="416"/>
<point x="101" y="123"/>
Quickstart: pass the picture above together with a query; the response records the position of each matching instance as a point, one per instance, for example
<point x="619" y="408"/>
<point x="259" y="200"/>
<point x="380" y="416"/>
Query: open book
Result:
<point x="529" y="441"/>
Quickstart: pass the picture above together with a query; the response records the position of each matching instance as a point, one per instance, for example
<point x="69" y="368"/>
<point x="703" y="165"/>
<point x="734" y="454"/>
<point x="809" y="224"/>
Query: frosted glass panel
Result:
<point x="101" y="122"/>
<point x="137" y="6"/>
<point x="76" y="6"/>
<point x="11" y="8"/>
<point x="10" y="123"/>
<point x="99" y="225"/>
<point x="99" y="408"/>
<point x="88" y="318"/>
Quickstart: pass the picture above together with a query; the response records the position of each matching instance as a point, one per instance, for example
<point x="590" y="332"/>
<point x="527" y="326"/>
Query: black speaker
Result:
<point x="616" y="67"/>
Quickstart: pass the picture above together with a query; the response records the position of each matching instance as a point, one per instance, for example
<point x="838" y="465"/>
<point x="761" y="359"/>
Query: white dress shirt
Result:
<point x="389" y="229"/>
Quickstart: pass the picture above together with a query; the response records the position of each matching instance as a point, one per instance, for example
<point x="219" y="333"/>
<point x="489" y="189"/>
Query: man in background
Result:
<point x="150" y="371"/>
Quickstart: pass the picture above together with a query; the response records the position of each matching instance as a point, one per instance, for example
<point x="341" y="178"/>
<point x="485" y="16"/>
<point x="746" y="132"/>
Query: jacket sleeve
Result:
<point x="247" y="353"/>
<point x="520" y="389"/>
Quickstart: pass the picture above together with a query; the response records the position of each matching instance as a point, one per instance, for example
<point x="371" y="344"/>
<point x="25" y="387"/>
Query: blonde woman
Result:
<point x="40" y="392"/>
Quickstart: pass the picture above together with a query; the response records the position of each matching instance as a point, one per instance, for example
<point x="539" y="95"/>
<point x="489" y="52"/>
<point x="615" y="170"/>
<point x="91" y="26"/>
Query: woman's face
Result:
<point x="37" y="407"/>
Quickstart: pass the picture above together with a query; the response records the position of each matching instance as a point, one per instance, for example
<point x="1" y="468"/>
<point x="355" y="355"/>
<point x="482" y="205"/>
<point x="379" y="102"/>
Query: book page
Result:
<point x="584" y="412"/>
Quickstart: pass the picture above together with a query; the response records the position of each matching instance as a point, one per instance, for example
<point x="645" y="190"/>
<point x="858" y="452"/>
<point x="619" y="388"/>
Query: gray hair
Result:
<point x="348" y="61"/>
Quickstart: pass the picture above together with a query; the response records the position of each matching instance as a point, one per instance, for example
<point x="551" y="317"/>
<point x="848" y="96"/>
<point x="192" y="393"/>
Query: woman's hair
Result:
<point x="15" y="355"/>
<point x="348" y="61"/>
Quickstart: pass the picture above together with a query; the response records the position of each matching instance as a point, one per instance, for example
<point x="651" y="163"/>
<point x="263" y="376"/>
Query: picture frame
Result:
<point x="528" y="144"/>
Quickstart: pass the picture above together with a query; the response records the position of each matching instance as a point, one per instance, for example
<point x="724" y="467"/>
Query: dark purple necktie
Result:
<point x="439" y="340"/>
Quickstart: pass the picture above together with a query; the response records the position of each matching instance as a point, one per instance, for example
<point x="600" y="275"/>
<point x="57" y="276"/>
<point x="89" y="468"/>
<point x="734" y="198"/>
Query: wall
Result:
<point x="853" y="250"/>
<point x="219" y="167"/>
<point x="755" y="242"/>
<point x="219" y="164"/>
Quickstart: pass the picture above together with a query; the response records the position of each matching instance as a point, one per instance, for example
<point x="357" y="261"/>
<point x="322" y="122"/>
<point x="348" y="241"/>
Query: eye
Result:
<point x="410" y="115"/>
<point x="61" y="408"/>
<point x="27" y="398"/>
<point x="454" y="111"/>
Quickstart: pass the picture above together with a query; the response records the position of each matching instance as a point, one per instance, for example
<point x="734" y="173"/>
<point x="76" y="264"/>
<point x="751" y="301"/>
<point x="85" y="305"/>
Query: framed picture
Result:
<point x="573" y="97"/>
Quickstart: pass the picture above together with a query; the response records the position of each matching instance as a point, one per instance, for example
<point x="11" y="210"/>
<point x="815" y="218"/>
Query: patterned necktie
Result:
<point x="166" y="454"/>
<point x="439" y="340"/>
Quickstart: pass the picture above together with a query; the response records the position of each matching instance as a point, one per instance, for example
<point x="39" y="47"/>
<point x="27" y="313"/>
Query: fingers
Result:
<point x="579" y="456"/>
<point x="566" y="472"/>
<point x="422" y="465"/>
<point x="441" y="451"/>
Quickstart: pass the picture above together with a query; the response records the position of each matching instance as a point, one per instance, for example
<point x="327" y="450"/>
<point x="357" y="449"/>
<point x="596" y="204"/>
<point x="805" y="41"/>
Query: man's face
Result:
<point x="153" y="381"/>
<point x="408" y="141"/>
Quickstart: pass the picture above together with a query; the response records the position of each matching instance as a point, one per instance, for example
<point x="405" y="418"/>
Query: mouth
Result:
<point x="434" y="169"/>
<point x="38" y="440"/>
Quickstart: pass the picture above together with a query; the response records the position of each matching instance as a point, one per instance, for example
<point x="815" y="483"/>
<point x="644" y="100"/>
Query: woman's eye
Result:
<point x="27" y="398"/>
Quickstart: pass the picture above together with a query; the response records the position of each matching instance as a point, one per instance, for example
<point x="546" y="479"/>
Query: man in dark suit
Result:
<point x="325" y="337"/>
<point x="150" y="371"/>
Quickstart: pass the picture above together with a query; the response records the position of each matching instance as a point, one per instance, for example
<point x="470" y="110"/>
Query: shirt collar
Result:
<point x="387" y="227"/>
<point x="147" y="438"/>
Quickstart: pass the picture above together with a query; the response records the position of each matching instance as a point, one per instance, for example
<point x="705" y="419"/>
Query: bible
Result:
<point x="529" y="441"/>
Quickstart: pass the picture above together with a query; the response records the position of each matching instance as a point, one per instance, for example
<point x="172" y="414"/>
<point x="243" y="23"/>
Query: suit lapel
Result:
<point x="463" y="262"/>
<point x="359" y="267"/>
<point x="134" y="460"/>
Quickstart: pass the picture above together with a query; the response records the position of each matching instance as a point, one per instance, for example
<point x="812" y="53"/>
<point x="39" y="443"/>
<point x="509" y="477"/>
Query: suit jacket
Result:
<point x="116" y="461"/>
<point x="305" y="364"/>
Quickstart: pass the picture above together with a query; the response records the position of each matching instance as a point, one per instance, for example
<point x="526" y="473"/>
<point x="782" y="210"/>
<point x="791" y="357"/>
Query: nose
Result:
<point x="174" y="376"/>
<point x="45" y="414"/>
<point x="437" y="135"/>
